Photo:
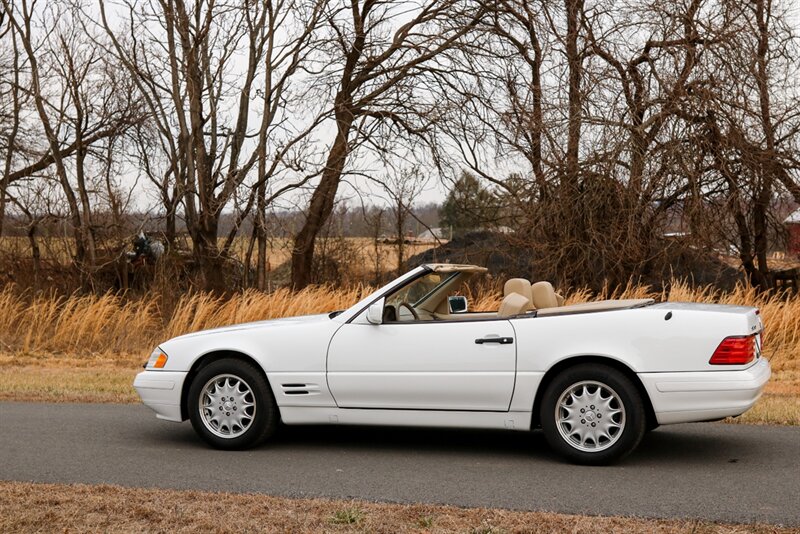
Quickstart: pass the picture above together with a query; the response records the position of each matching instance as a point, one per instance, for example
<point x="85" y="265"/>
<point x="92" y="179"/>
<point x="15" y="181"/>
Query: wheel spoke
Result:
<point x="227" y="406"/>
<point x="590" y="416"/>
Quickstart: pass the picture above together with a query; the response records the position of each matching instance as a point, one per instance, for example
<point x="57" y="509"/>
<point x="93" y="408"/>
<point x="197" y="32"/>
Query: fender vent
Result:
<point x="300" y="389"/>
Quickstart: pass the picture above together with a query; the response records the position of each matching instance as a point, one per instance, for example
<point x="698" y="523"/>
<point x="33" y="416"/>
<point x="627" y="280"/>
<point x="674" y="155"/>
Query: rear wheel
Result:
<point x="231" y="405"/>
<point x="592" y="414"/>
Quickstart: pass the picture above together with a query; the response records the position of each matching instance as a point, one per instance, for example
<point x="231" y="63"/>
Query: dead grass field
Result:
<point x="27" y="507"/>
<point x="88" y="348"/>
<point x="364" y="257"/>
<point x="362" y="252"/>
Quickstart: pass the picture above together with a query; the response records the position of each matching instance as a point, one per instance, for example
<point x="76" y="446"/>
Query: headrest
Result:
<point x="513" y="304"/>
<point x="519" y="286"/>
<point x="544" y="296"/>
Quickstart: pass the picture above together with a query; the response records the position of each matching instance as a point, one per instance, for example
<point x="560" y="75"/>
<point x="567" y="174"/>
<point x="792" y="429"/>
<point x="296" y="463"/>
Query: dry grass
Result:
<point x="49" y="377"/>
<point x="89" y="347"/>
<point x="110" y="324"/>
<point x="26" y="507"/>
<point x="772" y="409"/>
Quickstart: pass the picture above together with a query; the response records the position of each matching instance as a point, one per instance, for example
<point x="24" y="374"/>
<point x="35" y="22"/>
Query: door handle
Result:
<point x="500" y="340"/>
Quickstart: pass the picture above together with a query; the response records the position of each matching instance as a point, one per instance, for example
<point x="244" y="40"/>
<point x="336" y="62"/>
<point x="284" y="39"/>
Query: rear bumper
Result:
<point x="161" y="392"/>
<point x="707" y="395"/>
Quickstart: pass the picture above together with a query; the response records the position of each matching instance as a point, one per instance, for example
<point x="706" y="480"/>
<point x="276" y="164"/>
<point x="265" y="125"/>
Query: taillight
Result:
<point x="735" y="350"/>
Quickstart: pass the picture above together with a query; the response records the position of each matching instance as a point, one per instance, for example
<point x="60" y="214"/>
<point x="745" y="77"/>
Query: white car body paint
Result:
<point x="343" y="370"/>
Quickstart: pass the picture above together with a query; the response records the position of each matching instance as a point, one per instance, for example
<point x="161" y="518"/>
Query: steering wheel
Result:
<point x="410" y="308"/>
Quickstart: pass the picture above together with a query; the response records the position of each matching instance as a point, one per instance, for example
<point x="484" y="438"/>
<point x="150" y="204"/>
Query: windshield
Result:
<point x="416" y="292"/>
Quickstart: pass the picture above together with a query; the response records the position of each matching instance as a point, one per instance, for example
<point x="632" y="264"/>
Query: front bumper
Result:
<point x="161" y="392"/>
<point x="706" y="395"/>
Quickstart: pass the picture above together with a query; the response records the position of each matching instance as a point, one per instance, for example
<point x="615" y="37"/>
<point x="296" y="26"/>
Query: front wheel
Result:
<point x="231" y="405"/>
<point x="592" y="414"/>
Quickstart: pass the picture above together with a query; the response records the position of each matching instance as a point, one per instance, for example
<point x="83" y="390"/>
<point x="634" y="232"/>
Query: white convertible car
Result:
<point x="594" y="377"/>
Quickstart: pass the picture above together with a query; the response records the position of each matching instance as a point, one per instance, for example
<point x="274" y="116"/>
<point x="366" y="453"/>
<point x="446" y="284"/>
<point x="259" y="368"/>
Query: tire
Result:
<point x="610" y="401"/>
<point x="231" y="405"/>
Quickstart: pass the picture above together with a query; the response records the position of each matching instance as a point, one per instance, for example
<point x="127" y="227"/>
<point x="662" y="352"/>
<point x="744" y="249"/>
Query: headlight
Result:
<point x="157" y="360"/>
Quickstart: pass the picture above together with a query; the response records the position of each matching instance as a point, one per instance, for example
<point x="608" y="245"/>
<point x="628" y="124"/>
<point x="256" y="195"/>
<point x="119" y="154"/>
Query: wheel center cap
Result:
<point x="589" y="416"/>
<point x="227" y="405"/>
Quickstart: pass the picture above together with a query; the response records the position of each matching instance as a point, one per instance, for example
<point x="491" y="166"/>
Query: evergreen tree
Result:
<point x="469" y="206"/>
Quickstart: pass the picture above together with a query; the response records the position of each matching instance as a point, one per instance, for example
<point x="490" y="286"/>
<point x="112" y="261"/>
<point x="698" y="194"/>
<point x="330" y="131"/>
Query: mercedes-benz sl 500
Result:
<point x="595" y="377"/>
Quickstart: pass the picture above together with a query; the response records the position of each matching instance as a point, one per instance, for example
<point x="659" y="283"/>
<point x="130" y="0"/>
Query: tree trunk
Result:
<point x="261" y="236"/>
<point x="169" y="227"/>
<point x="36" y="254"/>
<point x="87" y="232"/>
<point x="3" y="188"/>
<point x="537" y="118"/>
<point x="207" y="252"/>
<point x="260" y="222"/>
<point x="12" y="134"/>
<point x="574" y="64"/>
<point x="767" y="164"/>
<point x="322" y="201"/>
<point x="248" y="258"/>
<point x="401" y="219"/>
<point x="206" y="222"/>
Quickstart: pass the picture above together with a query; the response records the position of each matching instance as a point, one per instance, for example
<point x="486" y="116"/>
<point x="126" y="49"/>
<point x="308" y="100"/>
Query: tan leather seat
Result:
<point x="513" y="304"/>
<point x="544" y="296"/>
<point x="519" y="286"/>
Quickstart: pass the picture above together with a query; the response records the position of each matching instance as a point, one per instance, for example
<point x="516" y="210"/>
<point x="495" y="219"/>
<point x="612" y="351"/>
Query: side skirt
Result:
<point x="295" y="415"/>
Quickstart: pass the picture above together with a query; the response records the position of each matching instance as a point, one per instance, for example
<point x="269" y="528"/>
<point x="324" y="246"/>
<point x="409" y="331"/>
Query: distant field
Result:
<point x="87" y="348"/>
<point x="360" y="257"/>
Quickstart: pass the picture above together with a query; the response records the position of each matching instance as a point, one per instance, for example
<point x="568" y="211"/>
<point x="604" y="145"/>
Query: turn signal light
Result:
<point x="157" y="360"/>
<point x="161" y="361"/>
<point x="735" y="350"/>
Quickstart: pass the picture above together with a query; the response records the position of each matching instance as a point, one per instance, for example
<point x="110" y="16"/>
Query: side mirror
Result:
<point x="375" y="312"/>
<point x="457" y="304"/>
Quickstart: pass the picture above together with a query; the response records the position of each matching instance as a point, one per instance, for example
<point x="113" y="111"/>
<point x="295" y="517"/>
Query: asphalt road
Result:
<point x="710" y="471"/>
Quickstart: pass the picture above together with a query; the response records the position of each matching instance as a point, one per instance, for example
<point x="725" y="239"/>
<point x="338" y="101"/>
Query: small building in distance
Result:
<point x="792" y="223"/>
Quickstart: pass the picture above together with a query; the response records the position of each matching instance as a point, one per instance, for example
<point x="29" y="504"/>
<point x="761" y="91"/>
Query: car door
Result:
<point x="425" y="365"/>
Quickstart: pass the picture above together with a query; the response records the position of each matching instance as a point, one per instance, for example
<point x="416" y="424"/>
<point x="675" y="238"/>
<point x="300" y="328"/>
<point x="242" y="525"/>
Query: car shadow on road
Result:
<point x="403" y="439"/>
<point x="695" y="444"/>
<point x="685" y="444"/>
<point x="681" y="444"/>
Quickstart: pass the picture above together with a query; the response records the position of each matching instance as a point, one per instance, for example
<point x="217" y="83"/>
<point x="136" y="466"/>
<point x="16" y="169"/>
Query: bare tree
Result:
<point x="77" y="102"/>
<point x="200" y="88"/>
<point x="600" y="125"/>
<point x="372" y="73"/>
<point x="749" y="132"/>
<point x="401" y="189"/>
<point x="629" y="118"/>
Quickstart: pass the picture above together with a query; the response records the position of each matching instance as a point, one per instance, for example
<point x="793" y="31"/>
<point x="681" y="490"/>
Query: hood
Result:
<point x="259" y="324"/>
